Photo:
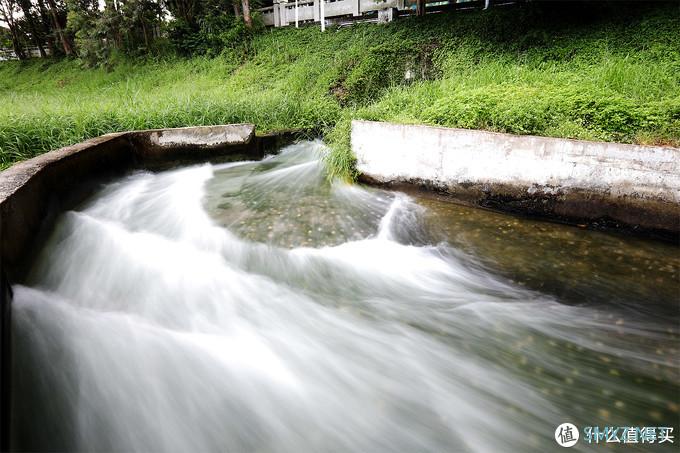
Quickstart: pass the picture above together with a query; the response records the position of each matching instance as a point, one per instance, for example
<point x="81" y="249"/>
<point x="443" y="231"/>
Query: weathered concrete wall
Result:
<point x="33" y="190"/>
<point x="29" y="190"/>
<point x="573" y="180"/>
<point x="192" y="142"/>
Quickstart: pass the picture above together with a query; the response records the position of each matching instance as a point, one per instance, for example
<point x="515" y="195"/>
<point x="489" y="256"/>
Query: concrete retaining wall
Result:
<point x="609" y="183"/>
<point x="33" y="190"/>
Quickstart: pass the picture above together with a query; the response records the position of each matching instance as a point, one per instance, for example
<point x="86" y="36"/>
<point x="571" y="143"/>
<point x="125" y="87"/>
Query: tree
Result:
<point x="33" y="29"/>
<point x="130" y="27"/>
<point x="8" y="12"/>
<point x="246" y="13"/>
<point x="95" y="30"/>
<point x="420" y="7"/>
<point x="88" y="29"/>
<point x="184" y="10"/>
<point x="68" y="49"/>
<point x="46" y="25"/>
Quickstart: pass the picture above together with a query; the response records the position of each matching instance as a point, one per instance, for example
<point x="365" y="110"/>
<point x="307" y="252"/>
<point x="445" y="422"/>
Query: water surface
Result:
<point x="255" y="306"/>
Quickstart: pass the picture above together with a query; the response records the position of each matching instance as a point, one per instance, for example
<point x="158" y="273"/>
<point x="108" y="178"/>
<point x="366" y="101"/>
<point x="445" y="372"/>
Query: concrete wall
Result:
<point x="33" y="190"/>
<point x="621" y="185"/>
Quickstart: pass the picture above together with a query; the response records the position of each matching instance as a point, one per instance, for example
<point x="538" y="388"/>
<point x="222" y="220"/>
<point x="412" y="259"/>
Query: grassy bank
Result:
<point x="603" y="74"/>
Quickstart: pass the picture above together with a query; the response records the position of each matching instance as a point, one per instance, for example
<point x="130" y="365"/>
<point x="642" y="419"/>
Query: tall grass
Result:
<point x="611" y="75"/>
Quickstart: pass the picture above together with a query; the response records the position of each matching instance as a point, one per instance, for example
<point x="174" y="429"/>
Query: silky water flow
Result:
<point x="259" y="307"/>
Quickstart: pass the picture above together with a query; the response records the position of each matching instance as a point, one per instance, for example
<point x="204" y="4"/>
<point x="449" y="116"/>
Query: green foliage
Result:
<point x="613" y="76"/>
<point x="90" y="32"/>
<point x="211" y="32"/>
<point x="100" y="34"/>
<point x="341" y="162"/>
<point x="5" y="38"/>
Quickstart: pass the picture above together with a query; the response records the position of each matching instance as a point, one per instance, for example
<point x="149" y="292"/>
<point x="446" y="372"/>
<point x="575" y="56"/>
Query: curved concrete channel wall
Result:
<point x="629" y="187"/>
<point x="33" y="192"/>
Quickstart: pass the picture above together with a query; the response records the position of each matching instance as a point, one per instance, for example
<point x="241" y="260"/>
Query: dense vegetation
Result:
<point x="94" y="31"/>
<point x="607" y="74"/>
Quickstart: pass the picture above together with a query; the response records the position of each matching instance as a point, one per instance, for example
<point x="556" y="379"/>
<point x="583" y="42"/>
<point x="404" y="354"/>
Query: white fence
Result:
<point x="283" y="12"/>
<point x="9" y="54"/>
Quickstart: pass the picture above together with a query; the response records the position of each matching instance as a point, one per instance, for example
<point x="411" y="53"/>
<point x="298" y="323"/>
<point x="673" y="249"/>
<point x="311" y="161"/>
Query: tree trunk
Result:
<point x="237" y="8"/>
<point x="146" y="38"/>
<point x="26" y="8"/>
<point x="8" y="18"/>
<point x="45" y="22"/>
<point x="68" y="50"/>
<point x="16" y="44"/>
<point x="420" y="7"/>
<point x="246" y="13"/>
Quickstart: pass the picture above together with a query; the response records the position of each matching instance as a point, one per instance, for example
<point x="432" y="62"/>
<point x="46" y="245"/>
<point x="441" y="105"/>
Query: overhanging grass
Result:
<point x="609" y="75"/>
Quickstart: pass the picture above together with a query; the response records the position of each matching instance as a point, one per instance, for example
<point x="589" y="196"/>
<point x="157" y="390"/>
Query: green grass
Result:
<point x="610" y="75"/>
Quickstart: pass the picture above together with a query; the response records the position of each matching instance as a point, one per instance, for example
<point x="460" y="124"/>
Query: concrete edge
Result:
<point x="14" y="177"/>
<point x="31" y="189"/>
<point x="192" y="142"/>
<point x="506" y="135"/>
<point x="616" y="186"/>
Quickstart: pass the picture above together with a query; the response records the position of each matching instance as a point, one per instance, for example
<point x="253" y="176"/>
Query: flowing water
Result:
<point x="256" y="307"/>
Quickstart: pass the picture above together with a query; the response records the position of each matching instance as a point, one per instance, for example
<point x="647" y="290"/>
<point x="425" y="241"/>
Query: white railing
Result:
<point x="283" y="12"/>
<point x="9" y="54"/>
